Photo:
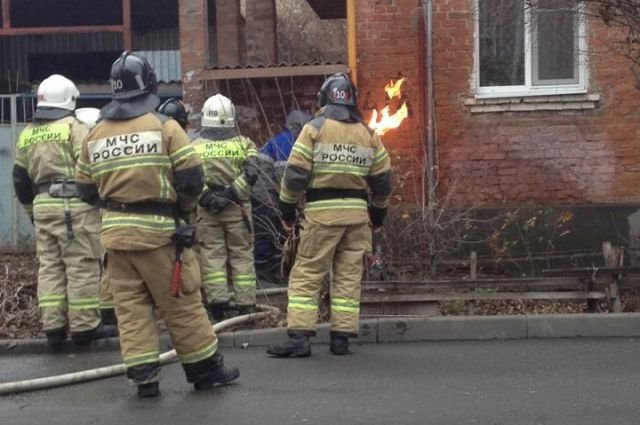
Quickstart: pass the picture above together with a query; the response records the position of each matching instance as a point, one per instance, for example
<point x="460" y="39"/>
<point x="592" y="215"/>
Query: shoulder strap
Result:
<point x="317" y="122"/>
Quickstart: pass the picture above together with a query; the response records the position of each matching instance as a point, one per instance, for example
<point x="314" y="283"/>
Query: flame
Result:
<point x="384" y="120"/>
<point x="393" y="88"/>
<point x="387" y="120"/>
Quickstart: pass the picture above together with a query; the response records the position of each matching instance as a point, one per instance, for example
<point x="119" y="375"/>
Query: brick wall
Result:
<point x="261" y="32"/>
<point x="388" y="44"/>
<point x="572" y="155"/>
<point x="229" y="28"/>
<point x="194" y="51"/>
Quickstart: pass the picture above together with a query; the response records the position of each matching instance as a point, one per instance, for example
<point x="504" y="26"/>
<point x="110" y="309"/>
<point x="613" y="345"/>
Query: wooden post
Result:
<point x="126" y="25"/>
<point x="613" y="257"/>
<point x="473" y="265"/>
<point x="6" y="14"/>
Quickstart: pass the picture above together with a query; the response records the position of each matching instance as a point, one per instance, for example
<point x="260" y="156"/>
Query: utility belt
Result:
<point x="150" y="208"/>
<point x="313" y="195"/>
<point x="64" y="189"/>
<point x="59" y="188"/>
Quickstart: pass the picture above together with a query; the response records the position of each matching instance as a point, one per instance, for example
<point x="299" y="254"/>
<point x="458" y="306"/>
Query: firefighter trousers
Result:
<point x="322" y="246"/>
<point x="69" y="273"/>
<point x="226" y="257"/>
<point x="140" y="281"/>
<point x="106" y="299"/>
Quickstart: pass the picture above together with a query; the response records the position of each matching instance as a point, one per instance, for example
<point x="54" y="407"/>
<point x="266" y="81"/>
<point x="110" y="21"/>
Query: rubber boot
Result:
<point x="102" y="331"/>
<point x="297" y="345"/>
<point x="56" y="338"/>
<point x="218" y="374"/>
<point x="149" y="390"/>
<point x="217" y="311"/>
<point x="339" y="344"/>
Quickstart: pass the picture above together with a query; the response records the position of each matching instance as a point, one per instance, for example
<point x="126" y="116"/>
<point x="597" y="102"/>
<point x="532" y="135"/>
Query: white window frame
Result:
<point x="528" y="89"/>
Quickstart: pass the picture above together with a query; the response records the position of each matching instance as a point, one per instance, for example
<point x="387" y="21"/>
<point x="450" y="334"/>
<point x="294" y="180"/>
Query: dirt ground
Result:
<point x="19" y="317"/>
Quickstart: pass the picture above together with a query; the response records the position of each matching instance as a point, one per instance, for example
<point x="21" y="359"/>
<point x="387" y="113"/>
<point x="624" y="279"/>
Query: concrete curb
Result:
<point x="403" y="329"/>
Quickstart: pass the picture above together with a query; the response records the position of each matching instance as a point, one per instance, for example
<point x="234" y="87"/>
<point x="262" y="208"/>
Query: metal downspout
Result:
<point x="427" y="7"/>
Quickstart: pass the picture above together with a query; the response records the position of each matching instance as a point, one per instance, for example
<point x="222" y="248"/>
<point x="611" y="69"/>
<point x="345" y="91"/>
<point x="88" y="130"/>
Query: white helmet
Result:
<point x="58" y="92"/>
<point x="218" y="111"/>
<point x="88" y="116"/>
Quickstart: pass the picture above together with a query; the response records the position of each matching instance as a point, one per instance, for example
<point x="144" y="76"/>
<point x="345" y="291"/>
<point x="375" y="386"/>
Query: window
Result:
<point x="533" y="47"/>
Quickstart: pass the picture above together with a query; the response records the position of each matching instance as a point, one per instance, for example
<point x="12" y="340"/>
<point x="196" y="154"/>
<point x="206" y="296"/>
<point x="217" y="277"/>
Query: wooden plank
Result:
<point x="126" y="24"/>
<point x="6" y="14"/>
<point x="612" y="256"/>
<point x="588" y="271"/>
<point x="60" y="30"/>
<point x="473" y="265"/>
<point x="272" y="72"/>
<point x="485" y="296"/>
<point x="480" y="283"/>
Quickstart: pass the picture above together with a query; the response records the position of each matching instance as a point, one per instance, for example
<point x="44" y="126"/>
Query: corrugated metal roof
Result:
<point x="276" y="65"/>
<point x="166" y="63"/>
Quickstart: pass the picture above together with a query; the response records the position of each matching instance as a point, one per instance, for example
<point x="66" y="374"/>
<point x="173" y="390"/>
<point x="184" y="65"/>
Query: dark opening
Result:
<point x="89" y="66"/>
<point x="153" y="15"/>
<point x="65" y="13"/>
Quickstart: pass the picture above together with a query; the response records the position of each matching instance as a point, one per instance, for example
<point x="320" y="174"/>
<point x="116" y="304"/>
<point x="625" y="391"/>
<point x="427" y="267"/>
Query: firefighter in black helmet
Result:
<point x="174" y="108"/>
<point x="141" y="168"/>
<point x="343" y="172"/>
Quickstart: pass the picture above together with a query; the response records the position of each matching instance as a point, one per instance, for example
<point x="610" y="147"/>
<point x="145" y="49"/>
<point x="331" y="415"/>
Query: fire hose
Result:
<point x="120" y="369"/>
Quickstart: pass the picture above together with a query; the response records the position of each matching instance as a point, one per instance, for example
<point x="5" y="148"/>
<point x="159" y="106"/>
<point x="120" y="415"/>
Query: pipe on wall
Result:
<point x="352" y="56"/>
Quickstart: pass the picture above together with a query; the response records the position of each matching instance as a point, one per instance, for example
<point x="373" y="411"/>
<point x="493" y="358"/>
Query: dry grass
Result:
<point x="19" y="317"/>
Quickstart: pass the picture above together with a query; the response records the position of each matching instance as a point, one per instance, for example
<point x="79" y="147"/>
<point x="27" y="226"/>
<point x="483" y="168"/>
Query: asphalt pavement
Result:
<point x="510" y="382"/>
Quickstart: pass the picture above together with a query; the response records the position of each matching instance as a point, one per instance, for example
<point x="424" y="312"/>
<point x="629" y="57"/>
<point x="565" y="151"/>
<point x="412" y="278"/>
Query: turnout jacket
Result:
<point x="337" y="157"/>
<point x="143" y="160"/>
<point x="229" y="160"/>
<point x="48" y="151"/>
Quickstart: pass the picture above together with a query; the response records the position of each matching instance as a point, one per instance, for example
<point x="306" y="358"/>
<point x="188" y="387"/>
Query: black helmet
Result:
<point x="338" y="90"/>
<point x="132" y="76"/>
<point x="175" y="109"/>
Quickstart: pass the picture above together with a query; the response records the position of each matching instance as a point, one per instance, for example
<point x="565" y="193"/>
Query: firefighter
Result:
<point x="174" y="108"/>
<point x="140" y="167"/>
<point x="225" y="229"/>
<point x="67" y="229"/>
<point x="90" y="117"/>
<point x="343" y="171"/>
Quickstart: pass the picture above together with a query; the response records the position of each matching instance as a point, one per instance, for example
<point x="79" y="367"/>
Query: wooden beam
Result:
<point x="271" y="72"/>
<point x="394" y="298"/>
<point x="126" y="24"/>
<point x="589" y="271"/>
<point x="6" y="14"/>
<point x="60" y="30"/>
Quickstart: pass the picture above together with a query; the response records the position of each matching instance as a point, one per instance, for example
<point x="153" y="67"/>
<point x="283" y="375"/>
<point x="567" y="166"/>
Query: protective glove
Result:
<point x="214" y="202"/>
<point x="288" y="214"/>
<point x="377" y="216"/>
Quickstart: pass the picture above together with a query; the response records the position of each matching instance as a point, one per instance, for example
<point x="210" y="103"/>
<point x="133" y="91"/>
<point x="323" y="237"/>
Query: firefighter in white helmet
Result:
<point x="67" y="229"/>
<point x="90" y="117"/>
<point x="225" y="230"/>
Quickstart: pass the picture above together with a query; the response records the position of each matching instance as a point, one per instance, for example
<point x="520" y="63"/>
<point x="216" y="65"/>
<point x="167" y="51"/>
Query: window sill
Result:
<point x="561" y="102"/>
